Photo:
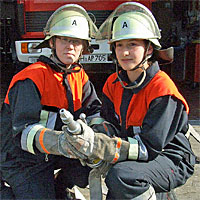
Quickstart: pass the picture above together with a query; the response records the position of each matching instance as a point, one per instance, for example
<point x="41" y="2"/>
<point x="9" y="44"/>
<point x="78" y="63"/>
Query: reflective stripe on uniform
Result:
<point x="149" y="194"/>
<point x="48" y="119"/>
<point x="30" y="137"/>
<point x="24" y="136"/>
<point x="133" y="149"/>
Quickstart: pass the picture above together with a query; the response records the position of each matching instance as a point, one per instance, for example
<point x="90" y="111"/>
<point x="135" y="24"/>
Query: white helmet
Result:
<point x="133" y="21"/>
<point x="70" y="20"/>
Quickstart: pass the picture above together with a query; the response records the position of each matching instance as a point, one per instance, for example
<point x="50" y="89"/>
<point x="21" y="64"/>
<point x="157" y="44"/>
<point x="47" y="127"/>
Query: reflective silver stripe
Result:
<point x="143" y="153"/>
<point x="133" y="149"/>
<point x="24" y="136"/>
<point x="90" y="118"/>
<point x="136" y="129"/>
<point x="44" y="117"/>
<point x="48" y="119"/>
<point x="31" y="136"/>
<point x="96" y="120"/>
<point x="51" y="120"/>
<point x="149" y="194"/>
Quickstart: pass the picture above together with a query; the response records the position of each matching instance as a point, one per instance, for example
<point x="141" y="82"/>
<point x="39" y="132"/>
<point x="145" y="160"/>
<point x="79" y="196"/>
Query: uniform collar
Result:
<point x="150" y="73"/>
<point x="57" y="66"/>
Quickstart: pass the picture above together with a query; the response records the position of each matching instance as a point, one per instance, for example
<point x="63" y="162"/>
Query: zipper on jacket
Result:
<point x="46" y="157"/>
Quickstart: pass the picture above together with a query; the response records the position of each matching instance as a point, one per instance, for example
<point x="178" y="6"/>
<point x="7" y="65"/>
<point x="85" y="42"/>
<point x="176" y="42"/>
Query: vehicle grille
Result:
<point x="36" y="21"/>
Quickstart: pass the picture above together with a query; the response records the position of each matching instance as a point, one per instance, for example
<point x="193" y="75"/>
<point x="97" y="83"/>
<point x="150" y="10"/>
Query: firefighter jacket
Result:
<point x="155" y="112"/>
<point x="35" y="95"/>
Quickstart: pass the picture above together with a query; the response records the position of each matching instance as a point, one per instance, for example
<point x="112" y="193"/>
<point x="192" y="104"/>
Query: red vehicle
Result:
<point x="22" y="24"/>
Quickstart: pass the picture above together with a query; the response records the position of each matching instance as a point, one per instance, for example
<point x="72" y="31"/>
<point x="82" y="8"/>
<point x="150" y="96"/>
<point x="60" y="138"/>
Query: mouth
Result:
<point x="126" y="60"/>
<point x="69" y="54"/>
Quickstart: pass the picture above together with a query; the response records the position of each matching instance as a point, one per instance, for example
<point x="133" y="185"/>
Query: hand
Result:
<point x="98" y="145"/>
<point x="68" y="150"/>
<point x="55" y="142"/>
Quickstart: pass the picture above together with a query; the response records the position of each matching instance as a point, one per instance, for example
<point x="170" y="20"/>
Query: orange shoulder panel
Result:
<point x="48" y="82"/>
<point x="163" y="85"/>
<point x="35" y="72"/>
<point x="160" y="85"/>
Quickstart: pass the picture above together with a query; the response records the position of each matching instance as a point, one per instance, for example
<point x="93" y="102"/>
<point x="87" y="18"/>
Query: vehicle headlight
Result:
<point x="28" y="47"/>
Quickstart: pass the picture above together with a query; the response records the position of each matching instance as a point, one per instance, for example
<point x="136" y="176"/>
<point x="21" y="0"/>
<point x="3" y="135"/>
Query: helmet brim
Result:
<point x="43" y="44"/>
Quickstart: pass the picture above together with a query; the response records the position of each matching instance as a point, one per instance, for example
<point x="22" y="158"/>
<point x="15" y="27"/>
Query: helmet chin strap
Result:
<point x="140" y="65"/>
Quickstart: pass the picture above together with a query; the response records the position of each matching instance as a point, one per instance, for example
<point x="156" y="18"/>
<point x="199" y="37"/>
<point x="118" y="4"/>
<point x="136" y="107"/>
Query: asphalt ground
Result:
<point x="191" y="190"/>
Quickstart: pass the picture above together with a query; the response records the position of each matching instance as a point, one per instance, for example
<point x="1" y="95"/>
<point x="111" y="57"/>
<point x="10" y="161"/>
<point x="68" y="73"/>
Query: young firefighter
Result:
<point x="151" y="153"/>
<point x="30" y="123"/>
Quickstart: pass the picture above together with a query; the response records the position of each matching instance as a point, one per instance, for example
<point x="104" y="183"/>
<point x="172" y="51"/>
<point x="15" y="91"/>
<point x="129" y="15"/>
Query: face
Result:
<point x="68" y="49"/>
<point x="130" y="52"/>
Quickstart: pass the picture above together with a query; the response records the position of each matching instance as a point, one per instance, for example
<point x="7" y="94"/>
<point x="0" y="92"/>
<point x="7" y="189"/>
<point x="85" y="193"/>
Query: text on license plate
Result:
<point x="94" y="58"/>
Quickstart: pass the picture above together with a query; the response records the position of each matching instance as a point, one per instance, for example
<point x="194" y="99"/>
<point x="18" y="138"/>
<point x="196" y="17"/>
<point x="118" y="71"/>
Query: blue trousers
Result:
<point x="129" y="179"/>
<point x="44" y="185"/>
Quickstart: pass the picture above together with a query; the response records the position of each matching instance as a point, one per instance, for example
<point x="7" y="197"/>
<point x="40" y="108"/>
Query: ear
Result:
<point x="150" y="50"/>
<point x="51" y="43"/>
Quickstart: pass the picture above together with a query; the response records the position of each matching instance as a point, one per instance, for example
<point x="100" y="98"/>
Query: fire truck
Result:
<point x="22" y="23"/>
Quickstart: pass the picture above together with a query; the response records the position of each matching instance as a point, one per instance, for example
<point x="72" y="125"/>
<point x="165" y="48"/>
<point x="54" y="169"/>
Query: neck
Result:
<point x="133" y="75"/>
<point x="67" y="67"/>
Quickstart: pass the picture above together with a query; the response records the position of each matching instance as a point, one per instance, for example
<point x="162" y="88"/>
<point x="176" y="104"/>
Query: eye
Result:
<point x="75" y="42"/>
<point x="118" y="44"/>
<point x="131" y="44"/>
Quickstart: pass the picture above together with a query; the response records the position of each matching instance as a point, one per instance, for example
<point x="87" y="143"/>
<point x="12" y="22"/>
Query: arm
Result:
<point x="32" y="136"/>
<point x="166" y="116"/>
<point x="25" y="106"/>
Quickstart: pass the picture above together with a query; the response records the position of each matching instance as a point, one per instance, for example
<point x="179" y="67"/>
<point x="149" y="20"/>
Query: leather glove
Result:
<point x="98" y="145"/>
<point x="55" y="142"/>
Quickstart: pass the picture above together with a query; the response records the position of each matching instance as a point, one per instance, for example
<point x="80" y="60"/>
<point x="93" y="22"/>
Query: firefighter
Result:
<point x="32" y="142"/>
<point x="151" y="154"/>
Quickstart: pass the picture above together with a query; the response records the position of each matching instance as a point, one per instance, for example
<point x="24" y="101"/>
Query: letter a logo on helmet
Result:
<point x="70" y="20"/>
<point x="125" y="25"/>
<point x="133" y="21"/>
<point x="74" y="23"/>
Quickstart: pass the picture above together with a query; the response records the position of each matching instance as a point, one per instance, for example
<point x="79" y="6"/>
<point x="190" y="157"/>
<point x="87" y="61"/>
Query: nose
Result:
<point x="126" y="52"/>
<point x="69" y="45"/>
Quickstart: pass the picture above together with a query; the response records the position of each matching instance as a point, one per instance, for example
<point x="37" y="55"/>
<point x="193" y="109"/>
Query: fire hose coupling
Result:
<point x="73" y="127"/>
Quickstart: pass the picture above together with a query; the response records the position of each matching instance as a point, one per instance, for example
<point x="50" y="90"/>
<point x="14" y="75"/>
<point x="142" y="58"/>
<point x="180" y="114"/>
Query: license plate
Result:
<point x="32" y="59"/>
<point x="94" y="58"/>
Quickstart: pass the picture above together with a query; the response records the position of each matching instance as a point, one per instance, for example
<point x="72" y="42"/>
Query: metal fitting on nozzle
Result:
<point x="73" y="127"/>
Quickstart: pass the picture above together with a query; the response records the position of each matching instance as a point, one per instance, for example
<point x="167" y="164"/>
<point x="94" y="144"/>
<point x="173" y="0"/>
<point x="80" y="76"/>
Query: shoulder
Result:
<point x="112" y="77"/>
<point x="32" y="70"/>
<point x="110" y="82"/>
<point x="35" y="72"/>
<point x="110" y="87"/>
<point x="162" y="84"/>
